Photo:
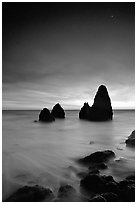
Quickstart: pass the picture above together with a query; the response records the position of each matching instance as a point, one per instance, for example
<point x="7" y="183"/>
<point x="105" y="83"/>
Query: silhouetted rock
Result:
<point x="46" y="116"/>
<point x="83" y="174"/>
<point x="67" y="193"/>
<point x="131" y="178"/>
<point x="84" y="111"/>
<point x="31" y="194"/>
<point x="112" y="186"/>
<point x="127" y="181"/>
<point x="101" y="109"/>
<point x="97" y="198"/>
<point x="98" y="166"/>
<point x="110" y="197"/>
<point x="66" y="190"/>
<point x="127" y="190"/>
<point x="96" y="183"/>
<point x="131" y="139"/>
<point x="58" y="111"/>
<point x="108" y="188"/>
<point x="97" y="157"/>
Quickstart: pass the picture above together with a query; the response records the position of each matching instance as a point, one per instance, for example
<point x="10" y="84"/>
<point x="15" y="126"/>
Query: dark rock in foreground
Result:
<point x="97" y="198"/>
<point x="98" y="157"/>
<point x="130" y="178"/>
<point x="131" y="139"/>
<point x="103" y="188"/>
<point x="67" y="193"/>
<point x="127" y="189"/>
<point x="107" y="189"/>
<point x="97" y="166"/>
<point x="96" y="183"/>
<point x="66" y="190"/>
<point x="110" y="197"/>
<point x="31" y="194"/>
<point x="83" y="174"/>
<point x="58" y="111"/>
<point x="46" y="116"/>
<point x="101" y="109"/>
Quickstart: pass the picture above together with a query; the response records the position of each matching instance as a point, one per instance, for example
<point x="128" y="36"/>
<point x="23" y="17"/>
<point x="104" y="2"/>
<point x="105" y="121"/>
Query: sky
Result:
<point x="62" y="52"/>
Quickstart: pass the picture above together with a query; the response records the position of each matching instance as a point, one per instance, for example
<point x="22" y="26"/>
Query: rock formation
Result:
<point x="58" y="111"/>
<point x="103" y="188"/>
<point x="31" y="194"/>
<point x="106" y="187"/>
<point x="131" y="139"/>
<point x="97" y="157"/>
<point x="101" y="109"/>
<point x="46" y="116"/>
<point x="84" y="111"/>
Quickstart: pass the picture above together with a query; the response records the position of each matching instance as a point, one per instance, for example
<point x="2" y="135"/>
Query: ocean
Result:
<point x="47" y="153"/>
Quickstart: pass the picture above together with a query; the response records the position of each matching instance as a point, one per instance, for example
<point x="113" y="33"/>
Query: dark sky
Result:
<point x="62" y="52"/>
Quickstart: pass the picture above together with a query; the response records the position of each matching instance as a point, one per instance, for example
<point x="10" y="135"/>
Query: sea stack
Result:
<point x="101" y="110"/>
<point x="131" y="139"/>
<point x="58" y="111"/>
<point x="84" y="111"/>
<point x="46" y="116"/>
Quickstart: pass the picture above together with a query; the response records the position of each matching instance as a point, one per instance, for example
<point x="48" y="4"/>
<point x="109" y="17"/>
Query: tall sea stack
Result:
<point x="101" y="110"/>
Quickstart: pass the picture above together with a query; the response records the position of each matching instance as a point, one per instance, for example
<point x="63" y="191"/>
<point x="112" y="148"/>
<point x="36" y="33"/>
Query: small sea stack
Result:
<point x="46" y="116"/>
<point x="101" y="110"/>
<point x="58" y="111"/>
<point x="84" y="111"/>
<point x="131" y="139"/>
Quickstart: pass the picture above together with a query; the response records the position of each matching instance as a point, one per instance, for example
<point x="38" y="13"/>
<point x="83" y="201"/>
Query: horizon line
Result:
<point x="64" y="109"/>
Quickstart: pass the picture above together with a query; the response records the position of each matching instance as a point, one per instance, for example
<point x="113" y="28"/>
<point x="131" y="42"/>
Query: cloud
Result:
<point x="63" y="56"/>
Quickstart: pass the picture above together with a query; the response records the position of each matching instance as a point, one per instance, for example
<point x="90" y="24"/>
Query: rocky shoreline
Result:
<point x="93" y="186"/>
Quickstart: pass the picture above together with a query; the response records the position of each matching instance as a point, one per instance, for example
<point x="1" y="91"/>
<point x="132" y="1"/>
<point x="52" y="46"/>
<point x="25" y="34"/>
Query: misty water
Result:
<point x="46" y="153"/>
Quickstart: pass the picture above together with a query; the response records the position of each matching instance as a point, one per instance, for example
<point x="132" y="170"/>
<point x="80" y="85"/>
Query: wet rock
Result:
<point x="101" y="109"/>
<point x="131" y="139"/>
<point x="108" y="178"/>
<point x="31" y="194"/>
<point x="97" y="198"/>
<point x="46" y="116"/>
<point x="127" y="193"/>
<point x="125" y="183"/>
<point x="128" y="181"/>
<point x="97" y="157"/>
<point x="112" y="186"/>
<point x="58" y="111"/>
<point x="98" y="166"/>
<point x="66" y="190"/>
<point x="110" y="197"/>
<point x="127" y="189"/>
<point x="67" y="193"/>
<point x="86" y="173"/>
<point x="95" y="183"/>
<point x="82" y="174"/>
<point x="131" y="177"/>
